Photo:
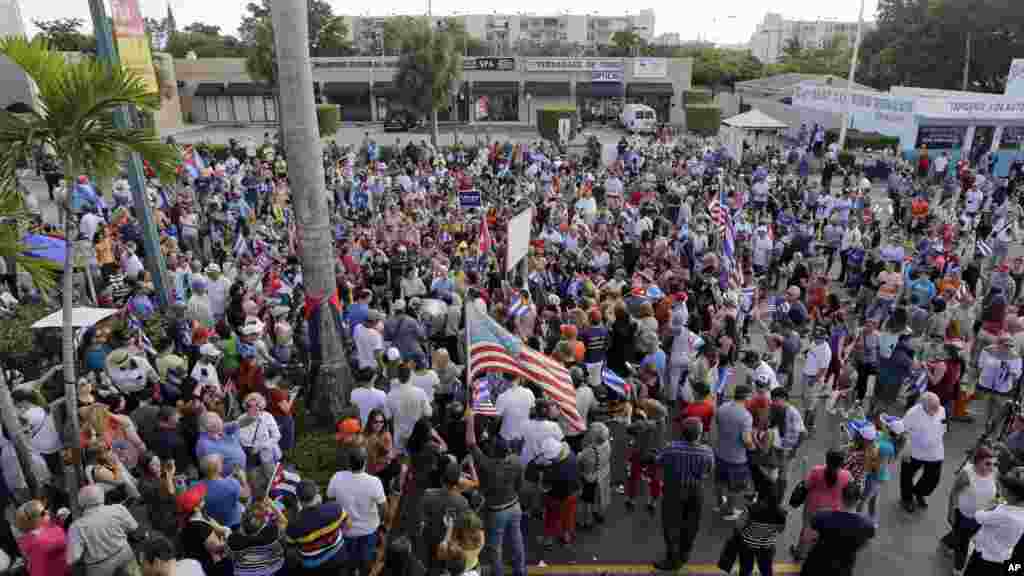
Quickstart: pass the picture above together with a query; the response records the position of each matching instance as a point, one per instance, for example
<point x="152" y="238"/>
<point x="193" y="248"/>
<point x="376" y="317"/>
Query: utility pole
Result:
<point x="849" y="80"/>
<point x="306" y="175"/>
<point x="155" y="264"/>
<point x="967" y="61"/>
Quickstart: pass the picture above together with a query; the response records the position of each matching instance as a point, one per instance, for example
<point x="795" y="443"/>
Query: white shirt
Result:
<point x="998" y="374"/>
<point x="426" y="381"/>
<point x="407" y="404"/>
<point x="187" y="567"/>
<point x="367" y="399"/>
<point x="42" y="433"/>
<point x="217" y="290"/>
<point x="359" y="494"/>
<point x="978" y="494"/>
<point x="262" y="435"/>
<point x="88" y="225"/>
<point x="763" y="247"/>
<point x="535" y="432"/>
<point x="205" y="376"/>
<point x="585" y="401"/>
<point x="513" y="407"/>
<point x="132" y="266"/>
<point x="368" y="342"/>
<point x="131" y="380"/>
<point x="765" y="369"/>
<point x="818" y="359"/>
<point x="926" y="433"/>
<point x="1000" y="531"/>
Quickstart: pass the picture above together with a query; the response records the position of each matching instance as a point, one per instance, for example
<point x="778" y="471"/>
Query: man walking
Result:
<point x="735" y="438"/>
<point x="926" y="425"/>
<point x="685" y="465"/>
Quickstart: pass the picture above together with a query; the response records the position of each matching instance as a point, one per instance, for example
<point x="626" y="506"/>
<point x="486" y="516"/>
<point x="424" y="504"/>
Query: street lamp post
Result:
<point x="849" y="81"/>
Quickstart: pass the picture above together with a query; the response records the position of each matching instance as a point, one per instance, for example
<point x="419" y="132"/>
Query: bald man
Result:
<point x="99" y="537"/>
<point x="925" y="425"/>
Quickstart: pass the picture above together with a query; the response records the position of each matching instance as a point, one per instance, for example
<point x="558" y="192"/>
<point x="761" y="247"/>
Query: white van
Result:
<point x="638" y="118"/>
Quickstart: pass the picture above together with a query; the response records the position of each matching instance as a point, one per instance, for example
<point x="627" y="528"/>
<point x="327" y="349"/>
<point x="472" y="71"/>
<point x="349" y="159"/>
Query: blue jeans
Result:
<point x="360" y="552"/>
<point x="508" y="523"/>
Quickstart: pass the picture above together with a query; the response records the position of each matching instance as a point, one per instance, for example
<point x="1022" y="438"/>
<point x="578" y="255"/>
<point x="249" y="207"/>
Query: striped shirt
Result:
<point x="685" y="464"/>
<point x="764" y="527"/>
<point x="258" y="554"/>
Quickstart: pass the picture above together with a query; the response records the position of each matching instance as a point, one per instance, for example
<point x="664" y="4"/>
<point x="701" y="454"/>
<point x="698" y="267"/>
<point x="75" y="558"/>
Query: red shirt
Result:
<point x="704" y="410"/>
<point x="45" y="551"/>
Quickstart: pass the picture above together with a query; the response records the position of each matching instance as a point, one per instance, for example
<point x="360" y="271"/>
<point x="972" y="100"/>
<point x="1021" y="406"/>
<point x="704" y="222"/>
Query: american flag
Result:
<point x="494" y="349"/>
<point x="483" y="404"/>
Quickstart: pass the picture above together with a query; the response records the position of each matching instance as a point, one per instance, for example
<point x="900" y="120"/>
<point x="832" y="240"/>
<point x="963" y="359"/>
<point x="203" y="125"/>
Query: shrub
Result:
<point x="691" y="97"/>
<point x="548" y="118"/>
<point x="18" y="340"/>
<point x="703" y="119"/>
<point x="328" y="118"/>
<point x="857" y="140"/>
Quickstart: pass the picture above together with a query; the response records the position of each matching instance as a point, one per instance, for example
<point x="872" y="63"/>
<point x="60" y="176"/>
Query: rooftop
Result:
<point x="784" y="83"/>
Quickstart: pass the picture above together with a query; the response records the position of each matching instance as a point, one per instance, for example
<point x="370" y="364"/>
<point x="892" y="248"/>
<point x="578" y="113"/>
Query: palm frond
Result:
<point x="40" y="63"/>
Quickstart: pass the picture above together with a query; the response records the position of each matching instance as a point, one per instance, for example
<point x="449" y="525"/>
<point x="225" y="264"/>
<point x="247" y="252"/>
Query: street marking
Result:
<point x="616" y="569"/>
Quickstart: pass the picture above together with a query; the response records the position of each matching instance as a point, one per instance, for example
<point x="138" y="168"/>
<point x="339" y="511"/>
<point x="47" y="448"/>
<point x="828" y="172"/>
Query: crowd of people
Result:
<point x="691" y="298"/>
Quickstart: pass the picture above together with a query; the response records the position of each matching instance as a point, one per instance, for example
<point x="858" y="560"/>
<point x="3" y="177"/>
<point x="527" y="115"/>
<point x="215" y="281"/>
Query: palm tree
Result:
<point x="77" y="102"/>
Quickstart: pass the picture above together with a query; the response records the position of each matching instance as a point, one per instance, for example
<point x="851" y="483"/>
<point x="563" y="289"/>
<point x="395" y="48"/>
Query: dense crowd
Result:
<point x="678" y="315"/>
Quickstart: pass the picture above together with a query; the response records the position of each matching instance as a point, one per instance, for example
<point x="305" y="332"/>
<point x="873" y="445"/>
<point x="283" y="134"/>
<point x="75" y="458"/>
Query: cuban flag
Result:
<point x="984" y="249"/>
<point x="615" y="383"/>
<point x="241" y="247"/>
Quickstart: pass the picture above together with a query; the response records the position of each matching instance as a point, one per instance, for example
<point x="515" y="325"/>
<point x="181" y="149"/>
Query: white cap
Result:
<point x="209" y="350"/>
<point x="393" y="355"/>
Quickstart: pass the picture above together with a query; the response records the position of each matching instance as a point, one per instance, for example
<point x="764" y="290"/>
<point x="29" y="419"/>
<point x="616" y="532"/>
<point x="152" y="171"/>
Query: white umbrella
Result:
<point x="81" y="317"/>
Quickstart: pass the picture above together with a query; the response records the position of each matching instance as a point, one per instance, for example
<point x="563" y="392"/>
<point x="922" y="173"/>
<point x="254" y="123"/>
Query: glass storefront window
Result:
<point x="497" y="107"/>
<point x="594" y="109"/>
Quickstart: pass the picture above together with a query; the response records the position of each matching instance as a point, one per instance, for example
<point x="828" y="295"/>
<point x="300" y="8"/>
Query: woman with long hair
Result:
<point x="460" y="549"/>
<point x="425" y="449"/>
<point x="825" y="484"/>
<point x="975" y="488"/>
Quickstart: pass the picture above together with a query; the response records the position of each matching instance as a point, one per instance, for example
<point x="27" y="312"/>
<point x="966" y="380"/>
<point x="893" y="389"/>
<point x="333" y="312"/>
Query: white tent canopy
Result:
<point x="754" y="119"/>
<point x="81" y="317"/>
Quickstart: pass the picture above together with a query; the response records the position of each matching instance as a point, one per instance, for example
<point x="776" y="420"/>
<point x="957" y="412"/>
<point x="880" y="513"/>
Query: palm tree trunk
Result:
<point x="433" y="128"/>
<point x="9" y="417"/>
<point x="330" y="370"/>
<point x="72" y="432"/>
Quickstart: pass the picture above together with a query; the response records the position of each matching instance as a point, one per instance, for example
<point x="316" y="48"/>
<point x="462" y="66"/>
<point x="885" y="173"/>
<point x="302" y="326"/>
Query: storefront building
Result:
<point x="493" y="89"/>
<point x="962" y="124"/>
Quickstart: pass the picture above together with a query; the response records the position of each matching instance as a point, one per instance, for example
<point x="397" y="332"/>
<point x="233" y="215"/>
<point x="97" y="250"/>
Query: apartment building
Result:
<point x="775" y="32"/>
<point x="505" y="32"/>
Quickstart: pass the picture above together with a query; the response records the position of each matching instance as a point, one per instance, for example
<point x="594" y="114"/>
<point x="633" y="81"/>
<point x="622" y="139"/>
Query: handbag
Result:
<point x="799" y="494"/>
<point x="253" y="459"/>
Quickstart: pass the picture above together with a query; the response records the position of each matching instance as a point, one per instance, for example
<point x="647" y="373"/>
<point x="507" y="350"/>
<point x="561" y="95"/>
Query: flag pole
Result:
<point x="465" y="322"/>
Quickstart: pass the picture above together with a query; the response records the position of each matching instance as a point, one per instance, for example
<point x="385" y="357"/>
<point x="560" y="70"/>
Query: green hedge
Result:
<point x="857" y="140"/>
<point x="547" y="121"/>
<point x="328" y="117"/>
<point x="703" y="119"/>
<point x="692" y="97"/>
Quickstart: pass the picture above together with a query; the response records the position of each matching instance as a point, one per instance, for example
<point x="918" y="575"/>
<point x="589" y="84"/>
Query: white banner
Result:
<point x="519" y="228"/>
<point x="650" y="67"/>
<point x="973" y="108"/>
<point x="870" y="111"/>
<point x="573" y="65"/>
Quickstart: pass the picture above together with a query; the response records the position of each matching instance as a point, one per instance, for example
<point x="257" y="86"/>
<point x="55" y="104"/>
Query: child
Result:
<point x="888" y="442"/>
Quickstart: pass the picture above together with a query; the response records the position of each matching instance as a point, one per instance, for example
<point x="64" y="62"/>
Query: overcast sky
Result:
<point x="722" y="21"/>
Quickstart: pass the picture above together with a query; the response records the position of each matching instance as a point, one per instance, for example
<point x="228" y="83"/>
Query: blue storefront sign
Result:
<point x="606" y="76"/>
<point x="470" y="199"/>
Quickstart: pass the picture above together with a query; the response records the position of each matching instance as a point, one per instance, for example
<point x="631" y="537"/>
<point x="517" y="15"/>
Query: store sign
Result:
<point x="605" y="76"/>
<point x="357" y="63"/>
<point x="994" y="108"/>
<point x="489" y="64"/>
<point x="573" y="65"/>
<point x="941" y="137"/>
<point x="873" y="111"/>
<point x="470" y="199"/>
<point x="650" y="67"/>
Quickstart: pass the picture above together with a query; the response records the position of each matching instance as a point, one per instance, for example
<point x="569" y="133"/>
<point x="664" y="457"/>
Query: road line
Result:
<point x="616" y="569"/>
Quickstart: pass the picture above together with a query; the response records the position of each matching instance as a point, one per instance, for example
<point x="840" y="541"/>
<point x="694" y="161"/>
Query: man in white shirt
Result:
<point x="763" y="248"/>
<point x="217" y="290"/>
<point x="407" y="404"/>
<point x="513" y="407"/>
<point x="369" y="341"/>
<point x="925" y="424"/>
<point x="88" y="225"/>
<point x="157" y="558"/>
<point x="367" y="398"/>
<point x="424" y="377"/>
<point x="1001" y="529"/>
<point x="362" y="496"/>
<point x="537" y="430"/>
<point x="815" y="367"/>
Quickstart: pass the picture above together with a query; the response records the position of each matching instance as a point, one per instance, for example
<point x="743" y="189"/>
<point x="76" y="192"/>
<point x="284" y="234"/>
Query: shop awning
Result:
<point x="247" y="89"/>
<point x="495" y="87"/>
<point x="547" y="88"/>
<point x="387" y="89"/>
<point x="346" y="88"/>
<point x="210" y="90"/>
<point x="649" y="89"/>
<point x="599" y="90"/>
